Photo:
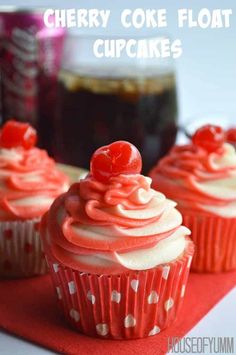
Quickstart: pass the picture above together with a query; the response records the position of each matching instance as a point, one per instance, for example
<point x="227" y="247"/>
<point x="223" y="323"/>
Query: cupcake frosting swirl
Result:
<point x="29" y="182"/>
<point x="199" y="180"/>
<point x="110" y="227"/>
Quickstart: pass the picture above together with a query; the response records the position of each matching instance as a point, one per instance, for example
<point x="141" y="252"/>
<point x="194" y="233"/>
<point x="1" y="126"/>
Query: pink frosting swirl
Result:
<point x="29" y="182"/>
<point x="94" y="227"/>
<point x="199" y="180"/>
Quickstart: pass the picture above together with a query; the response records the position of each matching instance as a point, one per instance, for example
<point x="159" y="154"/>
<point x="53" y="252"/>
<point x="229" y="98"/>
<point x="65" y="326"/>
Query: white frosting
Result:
<point x="227" y="211"/>
<point x="168" y="221"/>
<point x="228" y="159"/>
<point x="36" y="178"/>
<point x="222" y="189"/>
<point x="10" y="154"/>
<point x="34" y="200"/>
<point x="225" y="188"/>
<point x="163" y="252"/>
<point x="213" y="186"/>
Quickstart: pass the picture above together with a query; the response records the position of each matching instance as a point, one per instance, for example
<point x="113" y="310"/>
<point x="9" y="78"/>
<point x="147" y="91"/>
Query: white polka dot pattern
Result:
<point x="74" y="315"/>
<point x="129" y="321"/>
<point x="169" y="304"/>
<point x="72" y="287"/>
<point x="55" y="267"/>
<point x="91" y="297"/>
<point x="134" y="285"/>
<point x="102" y="329"/>
<point x="115" y="296"/>
<point x="153" y="297"/>
<point x="155" y="330"/>
<point x="128" y="306"/>
<point x="165" y="272"/>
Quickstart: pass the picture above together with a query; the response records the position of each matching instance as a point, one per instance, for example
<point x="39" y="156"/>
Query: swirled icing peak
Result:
<point x="115" y="225"/>
<point x="29" y="179"/>
<point x="199" y="179"/>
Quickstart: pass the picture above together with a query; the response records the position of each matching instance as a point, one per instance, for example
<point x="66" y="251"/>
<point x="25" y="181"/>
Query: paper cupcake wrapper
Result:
<point x="128" y="306"/>
<point x="215" y="242"/>
<point x="21" y="252"/>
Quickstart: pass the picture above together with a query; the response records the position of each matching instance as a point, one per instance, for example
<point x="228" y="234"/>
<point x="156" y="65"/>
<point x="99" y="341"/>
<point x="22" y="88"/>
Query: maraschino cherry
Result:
<point x="231" y="135"/>
<point x="17" y="134"/>
<point x="209" y="137"/>
<point x="120" y="157"/>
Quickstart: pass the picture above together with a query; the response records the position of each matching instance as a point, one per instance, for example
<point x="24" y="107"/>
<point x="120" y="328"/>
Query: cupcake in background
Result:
<point x="118" y="254"/>
<point x="201" y="178"/>
<point x="29" y="183"/>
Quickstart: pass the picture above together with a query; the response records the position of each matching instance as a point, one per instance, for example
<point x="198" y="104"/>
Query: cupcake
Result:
<point x="29" y="183"/>
<point x="117" y="252"/>
<point x="201" y="177"/>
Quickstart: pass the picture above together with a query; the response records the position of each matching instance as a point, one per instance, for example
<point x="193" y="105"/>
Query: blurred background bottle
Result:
<point x="29" y="64"/>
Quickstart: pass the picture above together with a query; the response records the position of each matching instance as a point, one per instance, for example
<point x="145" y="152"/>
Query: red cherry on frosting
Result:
<point x="209" y="137"/>
<point x="120" y="157"/>
<point x="231" y="135"/>
<point x="18" y="134"/>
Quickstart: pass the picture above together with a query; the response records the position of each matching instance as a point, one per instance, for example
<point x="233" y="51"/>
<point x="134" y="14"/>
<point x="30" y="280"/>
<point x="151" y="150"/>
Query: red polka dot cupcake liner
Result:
<point x="21" y="252"/>
<point x="215" y="240"/>
<point x="132" y="305"/>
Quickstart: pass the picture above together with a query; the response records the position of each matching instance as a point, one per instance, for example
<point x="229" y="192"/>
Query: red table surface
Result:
<point x="28" y="309"/>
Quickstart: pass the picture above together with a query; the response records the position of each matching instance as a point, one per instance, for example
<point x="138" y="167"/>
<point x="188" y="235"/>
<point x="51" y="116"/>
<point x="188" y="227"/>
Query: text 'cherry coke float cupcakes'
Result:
<point x="29" y="182"/>
<point x="118" y="254"/>
<point x="201" y="177"/>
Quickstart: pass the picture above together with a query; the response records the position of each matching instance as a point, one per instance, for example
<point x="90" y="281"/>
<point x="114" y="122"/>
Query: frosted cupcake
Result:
<point x="29" y="183"/>
<point x="201" y="177"/>
<point x="118" y="254"/>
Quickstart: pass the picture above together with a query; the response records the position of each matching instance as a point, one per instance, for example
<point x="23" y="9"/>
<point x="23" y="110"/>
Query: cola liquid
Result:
<point x="95" y="109"/>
